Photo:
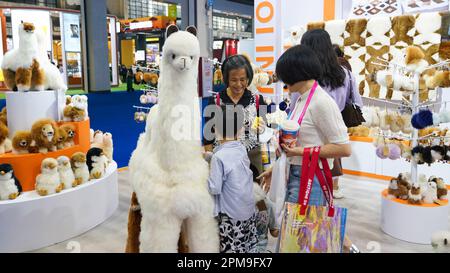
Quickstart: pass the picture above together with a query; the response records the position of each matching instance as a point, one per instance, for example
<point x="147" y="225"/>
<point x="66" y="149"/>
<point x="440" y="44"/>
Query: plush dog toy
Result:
<point x="70" y="132"/>
<point x="21" y="68"/>
<point x="21" y="142"/>
<point x="43" y="132"/>
<point x="5" y="142"/>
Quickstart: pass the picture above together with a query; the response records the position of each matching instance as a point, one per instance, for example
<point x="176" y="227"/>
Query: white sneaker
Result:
<point x="338" y="194"/>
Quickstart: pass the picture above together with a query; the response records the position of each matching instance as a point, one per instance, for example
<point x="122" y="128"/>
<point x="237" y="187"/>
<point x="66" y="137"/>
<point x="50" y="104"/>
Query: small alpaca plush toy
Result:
<point x="108" y="146"/>
<point x="80" y="168"/>
<point x="10" y="186"/>
<point x="5" y="142"/>
<point x="66" y="174"/>
<point x="441" y="188"/>
<point x="430" y="194"/>
<point x="440" y="239"/>
<point x="70" y="132"/>
<point x="60" y="138"/>
<point x="97" y="140"/>
<point x="81" y="102"/>
<point x="415" y="196"/>
<point x="404" y="185"/>
<point x="21" y="68"/>
<point x="43" y="131"/>
<point x="21" y="142"/>
<point x="393" y="190"/>
<point x="96" y="162"/>
<point x="48" y="181"/>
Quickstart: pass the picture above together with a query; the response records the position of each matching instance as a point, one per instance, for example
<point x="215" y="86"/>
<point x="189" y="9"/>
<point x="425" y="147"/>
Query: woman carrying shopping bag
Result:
<point x="321" y="127"/>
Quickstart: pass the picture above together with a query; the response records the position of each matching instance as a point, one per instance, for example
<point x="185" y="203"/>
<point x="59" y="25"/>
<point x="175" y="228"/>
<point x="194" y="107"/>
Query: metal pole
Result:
<point x="415" y="134"/>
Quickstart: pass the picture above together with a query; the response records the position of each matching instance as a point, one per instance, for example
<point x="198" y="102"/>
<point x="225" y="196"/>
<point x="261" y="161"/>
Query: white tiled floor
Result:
<point x="362" y="198"/>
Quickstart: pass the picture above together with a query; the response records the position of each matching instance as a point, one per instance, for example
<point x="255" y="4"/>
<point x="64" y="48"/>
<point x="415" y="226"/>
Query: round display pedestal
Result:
<point x="31" y="221"/>
<point x="412" y="223"/>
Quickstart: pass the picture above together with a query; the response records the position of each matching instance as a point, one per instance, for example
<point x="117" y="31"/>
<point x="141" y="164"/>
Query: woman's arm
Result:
<point x="326" y="151"/>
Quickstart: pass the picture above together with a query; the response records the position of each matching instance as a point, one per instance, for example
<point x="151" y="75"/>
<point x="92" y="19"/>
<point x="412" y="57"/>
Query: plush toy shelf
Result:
<point x="412" y="223"/>
<point x="28" y="166"/>
<point x="31" y="221"/>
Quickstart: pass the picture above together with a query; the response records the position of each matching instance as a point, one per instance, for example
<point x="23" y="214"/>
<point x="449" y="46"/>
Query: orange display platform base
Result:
<point x="28" y="166"/>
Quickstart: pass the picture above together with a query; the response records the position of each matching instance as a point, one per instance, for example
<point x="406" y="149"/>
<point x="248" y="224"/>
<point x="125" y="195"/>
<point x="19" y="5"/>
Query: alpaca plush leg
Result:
<point x="160" y="233"/>
<point x="23" y="79"/>
<point x="10" y="79"/>
<point x="134" y="226"/>
<point x="203" y="234"/>
<point x="37" y="77"/>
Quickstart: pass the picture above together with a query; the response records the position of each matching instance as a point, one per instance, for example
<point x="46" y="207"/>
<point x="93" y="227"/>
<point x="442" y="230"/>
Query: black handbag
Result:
<point x="352" y="114"/>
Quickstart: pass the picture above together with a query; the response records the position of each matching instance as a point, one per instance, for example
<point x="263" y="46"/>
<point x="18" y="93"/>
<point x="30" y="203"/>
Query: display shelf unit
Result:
<point x="31" y="221"/>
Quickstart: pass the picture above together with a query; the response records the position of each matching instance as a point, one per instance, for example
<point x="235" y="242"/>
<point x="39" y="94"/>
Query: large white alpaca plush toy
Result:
<point x="21" y="68"/>
<point x="168" y="172"/>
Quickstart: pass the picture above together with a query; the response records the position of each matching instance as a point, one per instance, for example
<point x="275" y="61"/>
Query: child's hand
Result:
<point x="207" y="156"/>
<point x="266" y="177"/>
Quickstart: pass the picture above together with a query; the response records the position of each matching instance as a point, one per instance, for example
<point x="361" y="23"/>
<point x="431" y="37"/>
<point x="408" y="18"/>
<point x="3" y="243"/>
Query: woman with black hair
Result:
<point x="336" y="80"/>
<point x="237" y="75"/>
<point x="322" y="124"/>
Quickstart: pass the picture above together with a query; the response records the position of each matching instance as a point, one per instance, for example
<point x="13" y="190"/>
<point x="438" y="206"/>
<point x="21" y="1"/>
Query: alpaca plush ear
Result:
<point x="171" y="30"/>
<point x="192" y="30"/>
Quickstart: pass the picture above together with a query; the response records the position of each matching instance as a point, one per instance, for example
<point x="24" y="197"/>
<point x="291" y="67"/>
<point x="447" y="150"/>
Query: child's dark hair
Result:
<point x="229" y="121"/>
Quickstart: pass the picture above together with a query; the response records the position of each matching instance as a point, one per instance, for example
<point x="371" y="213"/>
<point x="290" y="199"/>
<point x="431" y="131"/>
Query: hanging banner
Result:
<point x="267" y="41"/>
<point x="40" y="19"/>
<point x="71" y="32"/>
<point x="172" y="11"/>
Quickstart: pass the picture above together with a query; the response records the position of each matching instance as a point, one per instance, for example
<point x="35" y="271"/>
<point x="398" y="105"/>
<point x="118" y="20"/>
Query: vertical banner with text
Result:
<point x="268" y="41"/>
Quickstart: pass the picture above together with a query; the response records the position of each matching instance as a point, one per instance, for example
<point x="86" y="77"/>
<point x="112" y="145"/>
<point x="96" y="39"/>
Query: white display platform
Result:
<point x="410" y="223"/>
<point x="31" y="221"/>
<point x="24" y="108"/>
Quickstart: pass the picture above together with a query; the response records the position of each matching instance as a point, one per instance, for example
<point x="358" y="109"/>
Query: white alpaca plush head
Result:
<point x="181" y="49"/>
<point x="26" y="31"/>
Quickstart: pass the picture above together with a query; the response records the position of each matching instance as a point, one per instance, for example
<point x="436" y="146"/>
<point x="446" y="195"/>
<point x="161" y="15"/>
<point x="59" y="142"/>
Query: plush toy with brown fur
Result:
<point x="151" y="79"/>
<point x="355" y="27"/>
<point x="72" y="113"/>
<point x="4" y="116"/>
<point x="60" y="138"/>
<point x="315" y="25"/>
<point x="70" y="132"/>
<point x="43" y="132"/>
<point x="21" y="142"/>
<point x="20" y="66"/>
<point x="5" y="142"/>
<point x="402" y="26"/>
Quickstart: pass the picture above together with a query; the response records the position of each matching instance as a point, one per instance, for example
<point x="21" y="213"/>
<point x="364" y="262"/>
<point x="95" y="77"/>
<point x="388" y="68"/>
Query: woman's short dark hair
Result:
<point x="319" y="40"/>
<point x="236" y="62"/>
<point x="299" y="63"/>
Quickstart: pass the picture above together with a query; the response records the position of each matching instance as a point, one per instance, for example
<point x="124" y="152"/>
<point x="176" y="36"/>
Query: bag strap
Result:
<point x="218" y="99"/>
<point x="257" y="103"/>
<point x="308" y="101"/>
<point x="310" y="168"/>
<point x="326" y="183"/>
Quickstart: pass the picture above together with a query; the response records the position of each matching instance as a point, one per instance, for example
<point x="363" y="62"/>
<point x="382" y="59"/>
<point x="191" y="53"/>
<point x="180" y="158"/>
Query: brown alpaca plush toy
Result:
<point x="4" y="116"/>
<point x="70" y="132"/>
<point x="60" y="138"/>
